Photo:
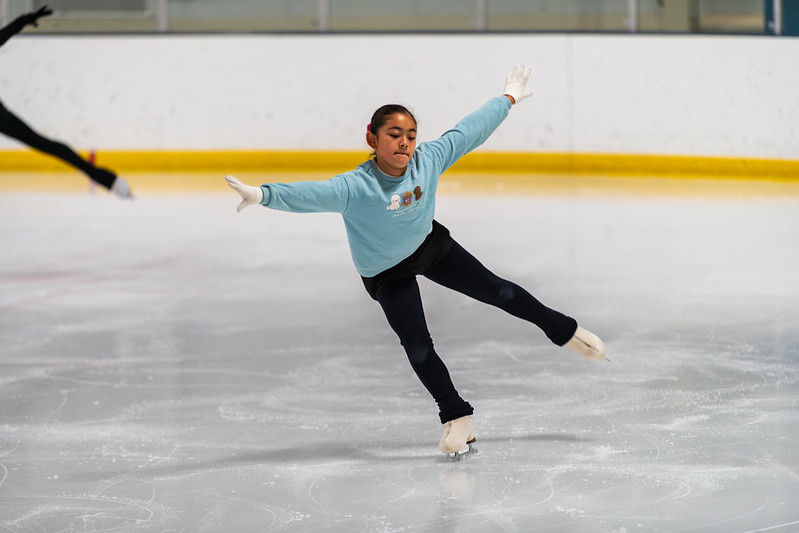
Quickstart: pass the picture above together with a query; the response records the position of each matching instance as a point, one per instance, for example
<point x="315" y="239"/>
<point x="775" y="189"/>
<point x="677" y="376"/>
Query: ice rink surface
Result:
<point x="171" y="365"/>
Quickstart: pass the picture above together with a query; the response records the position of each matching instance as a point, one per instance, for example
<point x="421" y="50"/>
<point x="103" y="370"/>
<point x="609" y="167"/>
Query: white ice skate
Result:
<point x="586" y="344"/>
<point x="121" y="188"/>
<point x="457" y="439"/>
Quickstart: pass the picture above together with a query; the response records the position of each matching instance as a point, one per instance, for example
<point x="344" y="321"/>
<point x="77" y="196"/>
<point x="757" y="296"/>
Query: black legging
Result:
<point x="459" y="270"/>
<point x="12" y="126"/>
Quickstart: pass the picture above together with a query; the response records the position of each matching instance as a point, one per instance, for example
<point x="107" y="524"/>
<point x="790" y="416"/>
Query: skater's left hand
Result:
<point x="34" y="16"/>
<point x="249" y="194"/>
<point x="516" y="84"/>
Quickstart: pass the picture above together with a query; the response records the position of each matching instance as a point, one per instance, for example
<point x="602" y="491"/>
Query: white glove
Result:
<point x="516" y="82"/>
<point x="249" y="194"/>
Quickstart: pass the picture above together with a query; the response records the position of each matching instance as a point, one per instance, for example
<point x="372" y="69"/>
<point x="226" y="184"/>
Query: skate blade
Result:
<point x="468" y="451"/>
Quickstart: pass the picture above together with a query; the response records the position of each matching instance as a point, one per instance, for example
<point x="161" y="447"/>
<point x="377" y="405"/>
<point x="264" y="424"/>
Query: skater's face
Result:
<point x="394" y="143"/>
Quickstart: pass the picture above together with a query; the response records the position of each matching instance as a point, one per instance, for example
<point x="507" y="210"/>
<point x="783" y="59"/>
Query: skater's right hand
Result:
<point x="249" y="194"/>
<point x="34" y="16"/>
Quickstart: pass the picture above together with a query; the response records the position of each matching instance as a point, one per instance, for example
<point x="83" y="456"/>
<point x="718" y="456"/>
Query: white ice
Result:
<point x="171" y="365"/>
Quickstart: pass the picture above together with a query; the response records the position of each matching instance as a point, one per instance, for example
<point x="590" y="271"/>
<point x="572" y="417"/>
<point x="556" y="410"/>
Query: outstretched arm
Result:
<point x="326" y="196"/>
<point x="475" y="128"/>
<point x="20" y="22"/>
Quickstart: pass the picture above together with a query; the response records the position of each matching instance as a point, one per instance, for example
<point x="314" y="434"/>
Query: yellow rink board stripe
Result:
<point x="525" y="162"/>
<point x="202" y="170"/>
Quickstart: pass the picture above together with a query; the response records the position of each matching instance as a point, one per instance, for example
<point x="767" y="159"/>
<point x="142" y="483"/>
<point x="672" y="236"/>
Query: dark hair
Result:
<point x="380" y="117"/>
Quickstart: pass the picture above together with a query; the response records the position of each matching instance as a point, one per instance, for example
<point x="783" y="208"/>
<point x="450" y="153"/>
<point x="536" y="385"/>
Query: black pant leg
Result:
<point x="462" y="272"/>
<point x="402" y="304"/>
<point x="14" y="127"/>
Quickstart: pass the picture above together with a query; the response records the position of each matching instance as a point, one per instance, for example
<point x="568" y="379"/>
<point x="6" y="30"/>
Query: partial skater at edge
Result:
<point x="14" y="127"/>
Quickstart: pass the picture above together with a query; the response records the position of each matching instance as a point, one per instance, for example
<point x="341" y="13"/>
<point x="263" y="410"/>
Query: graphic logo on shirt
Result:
<point x="405" y="200"/>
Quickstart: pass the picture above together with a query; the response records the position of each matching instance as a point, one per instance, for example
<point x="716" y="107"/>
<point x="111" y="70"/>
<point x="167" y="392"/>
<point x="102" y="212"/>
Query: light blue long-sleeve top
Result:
<point x="387" y="218"/>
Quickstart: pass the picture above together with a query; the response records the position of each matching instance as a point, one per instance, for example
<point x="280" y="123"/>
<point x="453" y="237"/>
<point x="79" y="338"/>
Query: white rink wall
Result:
<point x="629" y="94"/>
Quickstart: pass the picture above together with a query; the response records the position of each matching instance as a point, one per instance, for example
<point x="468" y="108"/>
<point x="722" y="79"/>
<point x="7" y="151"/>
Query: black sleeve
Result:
<point x="14" y="28"/>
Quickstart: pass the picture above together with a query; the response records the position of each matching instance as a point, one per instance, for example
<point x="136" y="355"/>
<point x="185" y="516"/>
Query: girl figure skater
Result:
<point x="15" y="128"/>
<point x="388" y="204"/>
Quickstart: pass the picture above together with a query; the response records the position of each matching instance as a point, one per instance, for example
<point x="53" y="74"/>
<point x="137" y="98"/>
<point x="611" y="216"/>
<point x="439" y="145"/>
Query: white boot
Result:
<point x="457" y="438"/>
<point x="586" y="344"/>
<point x="121" y="188"/>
